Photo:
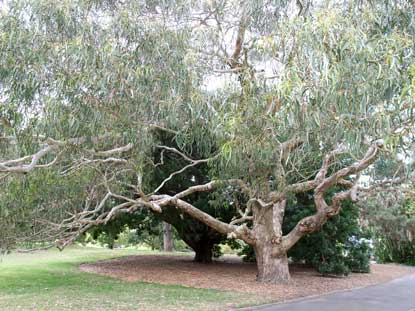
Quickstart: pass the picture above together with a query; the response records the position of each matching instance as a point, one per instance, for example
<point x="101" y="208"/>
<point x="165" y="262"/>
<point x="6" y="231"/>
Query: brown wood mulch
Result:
<point x="231" y="274"/>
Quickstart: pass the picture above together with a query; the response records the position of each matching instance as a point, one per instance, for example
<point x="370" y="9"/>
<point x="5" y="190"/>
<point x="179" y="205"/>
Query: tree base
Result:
<point x="203" y="254"/>
<point x="271" y="269"/>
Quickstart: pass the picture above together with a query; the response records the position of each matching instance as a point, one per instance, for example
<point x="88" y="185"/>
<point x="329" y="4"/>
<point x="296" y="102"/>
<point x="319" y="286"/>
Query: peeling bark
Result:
<point x="271" y="256"/>
<point x="272" y="267"/>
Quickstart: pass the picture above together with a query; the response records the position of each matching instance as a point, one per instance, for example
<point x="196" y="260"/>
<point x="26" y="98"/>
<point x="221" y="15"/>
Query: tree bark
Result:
<point x="203" y="253"/>
<point x="167" y="237"/>
<point x="271" y="268"/>
<point x="271" y="256"/>
<point x="197" y="235"/>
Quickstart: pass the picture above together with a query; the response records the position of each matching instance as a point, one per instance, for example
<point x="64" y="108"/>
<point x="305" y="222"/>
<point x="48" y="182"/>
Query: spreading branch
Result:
<point x="324" y="210"/>
<point x="191" y="164"/>
<point x="57" y="147"/>
<point x="78" y="223"/>
<point x="15" y="166"/>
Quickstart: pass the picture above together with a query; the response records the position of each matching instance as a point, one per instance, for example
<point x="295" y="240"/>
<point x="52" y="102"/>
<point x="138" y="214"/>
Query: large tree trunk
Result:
<point x="198" y="236"/>
<point x="167" y="237"/>
<point x="271" y="258"/>
<point x="271" y="268"/>
<point x="203" y="253"/>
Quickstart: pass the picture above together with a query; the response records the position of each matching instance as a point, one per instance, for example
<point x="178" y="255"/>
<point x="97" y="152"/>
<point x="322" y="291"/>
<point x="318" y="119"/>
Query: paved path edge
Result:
<point x="267" y="305"/>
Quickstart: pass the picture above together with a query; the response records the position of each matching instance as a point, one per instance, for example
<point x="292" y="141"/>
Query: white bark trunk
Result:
<point x="167" y="237"/>
<point x="271" y="269"/>
<point x="270" y="255"/>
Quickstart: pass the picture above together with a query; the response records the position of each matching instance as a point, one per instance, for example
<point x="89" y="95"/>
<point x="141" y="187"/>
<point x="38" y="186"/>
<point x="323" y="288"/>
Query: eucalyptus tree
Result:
<point x="261" y="91"/>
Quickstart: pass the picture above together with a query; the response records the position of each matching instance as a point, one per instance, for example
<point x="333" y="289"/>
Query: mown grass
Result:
<point x="51" y="280"/>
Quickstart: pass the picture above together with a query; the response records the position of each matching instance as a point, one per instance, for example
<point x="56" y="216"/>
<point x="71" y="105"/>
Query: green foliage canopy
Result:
<point x="232" y="80"/>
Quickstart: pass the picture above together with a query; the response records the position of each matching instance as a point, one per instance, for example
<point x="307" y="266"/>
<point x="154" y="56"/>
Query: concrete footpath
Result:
<point x="395" y="295"/>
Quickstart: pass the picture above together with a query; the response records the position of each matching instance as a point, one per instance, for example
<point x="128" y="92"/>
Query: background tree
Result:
<point x="259" y="91"/>
<point x="167" y="237"/>
<point x="197" y="235"/>
<point x="391" y="218"/>
<point x="387" y="210"/>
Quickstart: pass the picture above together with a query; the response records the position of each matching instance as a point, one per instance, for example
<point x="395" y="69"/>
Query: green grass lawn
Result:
<point x="50" y="280"/>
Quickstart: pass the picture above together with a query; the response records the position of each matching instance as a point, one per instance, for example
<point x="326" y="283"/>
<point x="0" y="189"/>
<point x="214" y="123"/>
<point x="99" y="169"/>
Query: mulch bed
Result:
<point x="230" y="273"/>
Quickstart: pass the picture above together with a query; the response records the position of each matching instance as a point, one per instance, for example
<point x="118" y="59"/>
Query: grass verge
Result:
<point x="51" y="280"/>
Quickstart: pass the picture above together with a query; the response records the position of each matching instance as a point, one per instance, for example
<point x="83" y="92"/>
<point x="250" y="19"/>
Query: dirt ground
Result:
<point x="230" y="273"/>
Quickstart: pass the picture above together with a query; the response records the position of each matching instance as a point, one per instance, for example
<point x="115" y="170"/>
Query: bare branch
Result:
<point x="245" y="216"/>
<point x="162" y="128"/>
<point x="328" y="159"/>
<point x="174" y="150"/>
<point x="192" y="163"/>
<point x="359" y="166"/>
<point x="53" y="146"/>
<point x="290" y="145"/>
<point x="233" y="62"/>
<point x="110" y="152"/>
<point x="25" y="168"/>
<point x="214" y="184"/>
<point x="324" y="211"/>
<point x="241" y="232"/>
